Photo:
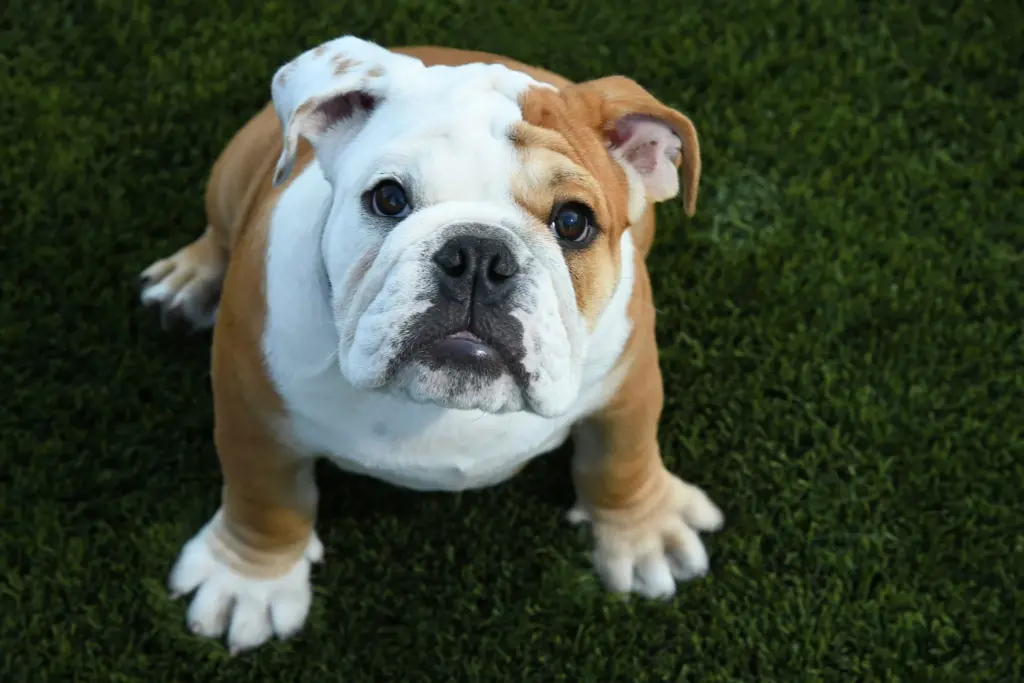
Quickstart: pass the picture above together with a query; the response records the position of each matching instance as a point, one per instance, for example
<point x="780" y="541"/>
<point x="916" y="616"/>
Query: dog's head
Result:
<point x="474" y="232"/>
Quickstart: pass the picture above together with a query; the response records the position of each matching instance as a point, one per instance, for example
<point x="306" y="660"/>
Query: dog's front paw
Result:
<point x="250" y="610"/>
<point x="646" y="551"/>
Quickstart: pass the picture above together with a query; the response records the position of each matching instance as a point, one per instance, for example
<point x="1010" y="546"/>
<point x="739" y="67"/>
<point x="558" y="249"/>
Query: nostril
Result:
<point x="452" y="261"/>
<point x="502" y="266"/>
<point x="499" y="269"/>
<point x="458" y="268"/>
<point x="471" y="266"/>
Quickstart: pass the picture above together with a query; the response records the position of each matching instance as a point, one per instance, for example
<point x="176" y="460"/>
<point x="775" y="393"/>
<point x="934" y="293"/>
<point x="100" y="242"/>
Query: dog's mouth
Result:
<point x="471" y="350"/>
<point x="446" y="338"/>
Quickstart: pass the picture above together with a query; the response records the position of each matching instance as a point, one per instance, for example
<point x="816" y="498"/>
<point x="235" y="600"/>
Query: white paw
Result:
<point x="185" y="287"/>
<point x="250" y="610"/>
<point x="648" y="556"/>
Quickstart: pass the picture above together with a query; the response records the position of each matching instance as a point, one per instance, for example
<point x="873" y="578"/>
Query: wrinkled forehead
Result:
<point x="444" y="120"/>
<point x="470" y="101"/>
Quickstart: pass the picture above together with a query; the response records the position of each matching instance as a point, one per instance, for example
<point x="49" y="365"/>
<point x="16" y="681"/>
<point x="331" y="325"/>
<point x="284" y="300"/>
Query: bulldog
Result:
<point x="428" y="266"/>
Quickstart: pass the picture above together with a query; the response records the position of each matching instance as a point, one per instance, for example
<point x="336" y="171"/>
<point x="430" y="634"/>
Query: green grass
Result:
<point x="840" y="328"/>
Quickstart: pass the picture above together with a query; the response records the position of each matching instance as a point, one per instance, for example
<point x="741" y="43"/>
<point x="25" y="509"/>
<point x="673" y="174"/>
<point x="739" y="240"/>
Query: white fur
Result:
<point x="250" y="610"/>
<point x="416" y="445"/>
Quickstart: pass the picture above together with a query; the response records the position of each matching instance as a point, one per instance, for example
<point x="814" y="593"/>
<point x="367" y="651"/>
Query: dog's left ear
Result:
<point x="328" y="92"/>
<point x="651" y="138"/>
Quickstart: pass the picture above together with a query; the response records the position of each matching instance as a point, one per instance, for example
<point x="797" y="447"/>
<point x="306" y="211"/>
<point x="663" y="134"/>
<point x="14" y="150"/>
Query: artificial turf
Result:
<point x="840" y="327"/>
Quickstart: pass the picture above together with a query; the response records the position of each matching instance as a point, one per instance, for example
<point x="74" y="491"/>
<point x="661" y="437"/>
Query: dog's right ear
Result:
<point x="331" y="88"/>
<point x="653" y="139"/>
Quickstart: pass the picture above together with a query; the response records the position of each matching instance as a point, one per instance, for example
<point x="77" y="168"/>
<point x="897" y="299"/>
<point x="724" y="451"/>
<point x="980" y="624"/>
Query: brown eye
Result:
<point x="573" y="223"/>
<point x="388" y="199"/>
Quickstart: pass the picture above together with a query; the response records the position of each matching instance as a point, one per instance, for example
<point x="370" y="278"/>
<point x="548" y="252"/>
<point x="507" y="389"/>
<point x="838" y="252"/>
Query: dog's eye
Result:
<point x="388" y="199"/>
<point x="573" y="223"/>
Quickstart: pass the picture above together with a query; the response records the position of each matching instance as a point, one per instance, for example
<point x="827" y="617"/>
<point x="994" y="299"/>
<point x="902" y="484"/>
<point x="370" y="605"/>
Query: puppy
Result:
<point x="428" y="265"/>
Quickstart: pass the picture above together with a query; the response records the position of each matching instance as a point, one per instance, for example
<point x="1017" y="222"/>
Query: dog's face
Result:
<point x="474" y="229"/>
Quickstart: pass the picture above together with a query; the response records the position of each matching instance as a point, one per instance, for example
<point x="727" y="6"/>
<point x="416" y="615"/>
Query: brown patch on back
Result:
<point x="375" y="72"/>
<point x="240" y="200"/>
<point x="267" y="515"/>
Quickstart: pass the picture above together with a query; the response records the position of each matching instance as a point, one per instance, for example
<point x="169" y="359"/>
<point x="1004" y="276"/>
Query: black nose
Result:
<point x="480" y="268"/>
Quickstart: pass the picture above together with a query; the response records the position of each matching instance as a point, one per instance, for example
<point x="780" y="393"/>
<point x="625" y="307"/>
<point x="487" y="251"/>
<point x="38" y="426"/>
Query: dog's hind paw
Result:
<point x="185" y="287"/>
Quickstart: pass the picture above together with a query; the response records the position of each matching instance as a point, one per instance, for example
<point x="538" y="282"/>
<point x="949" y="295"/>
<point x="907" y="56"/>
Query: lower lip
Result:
<point x="464" y="347"/>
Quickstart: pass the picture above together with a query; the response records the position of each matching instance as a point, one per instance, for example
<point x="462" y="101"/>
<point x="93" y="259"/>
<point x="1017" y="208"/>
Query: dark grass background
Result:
<point x="840" y="328"/>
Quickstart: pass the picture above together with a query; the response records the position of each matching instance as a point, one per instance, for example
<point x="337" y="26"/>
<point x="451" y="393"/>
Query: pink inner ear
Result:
<point x="645" y="142"/>
<point x="651" y="147"/>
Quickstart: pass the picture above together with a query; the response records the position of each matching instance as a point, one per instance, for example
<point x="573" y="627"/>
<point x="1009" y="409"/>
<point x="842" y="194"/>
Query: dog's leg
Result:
<point x="250" y="564"/>
<point x="645" y="520"/>
<point x="186" y="285"/>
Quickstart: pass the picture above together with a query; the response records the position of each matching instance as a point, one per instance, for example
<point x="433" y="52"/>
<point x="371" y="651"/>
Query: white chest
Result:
<point x="415" y="446"/>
